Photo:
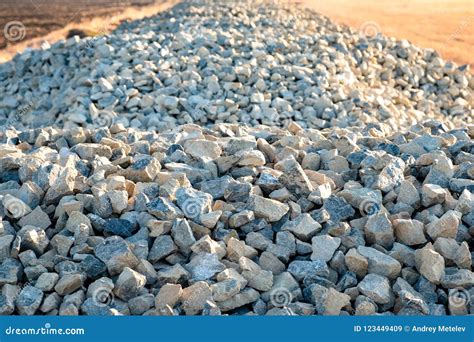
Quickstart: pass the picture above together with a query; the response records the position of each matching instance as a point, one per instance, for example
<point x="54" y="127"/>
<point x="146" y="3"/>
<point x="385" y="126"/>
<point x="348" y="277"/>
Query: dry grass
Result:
<point x="444" y="25"/>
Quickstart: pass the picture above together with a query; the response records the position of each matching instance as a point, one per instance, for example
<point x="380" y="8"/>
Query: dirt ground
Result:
<point x="28" y="23"/>
<point x="445" y="25"/>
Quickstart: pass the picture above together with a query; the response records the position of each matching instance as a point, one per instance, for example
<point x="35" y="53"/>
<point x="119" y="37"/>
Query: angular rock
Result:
<point x="432" y="194"/>
<point x="239" y="219"/>
<point x="129" y="284"/>
<point x="162" y="247"/>
<point x="377" y="288"/>
<point x="29" y="300"/>
<point x="337" y="208"/>
<point x="237" y="249"/>
<point x="324" y="247"/>
<point x="301" y="268"/>
<point x="200" y="148"/>
<point x="193" y="203"/>
<point x="356" y="262"/>
<point x="47" y="281"/>
<point x="204" y="266"/>
<point x="446" y="226"/>
<point x="378" y="229"/>
<point x="195" y="297"/>
<point x="169" y="294"/>
<point x="120" y="227"/>
<point x="429" y="263"/>
<point x="380" y="263"/>
<point x="116" y="255"/>
<point x="268" y="209"/>
<point x="182" y="235"/>
<point x="293" y="177"/>
<point x="246" y="296"/>
<point x="69" y="283"/>
<point x="257" y="278"/>
<point x="328" y="301"/>
<point x="303" y="227"/>
<point x="409" y="232"/>
<point x="225" y="290"/>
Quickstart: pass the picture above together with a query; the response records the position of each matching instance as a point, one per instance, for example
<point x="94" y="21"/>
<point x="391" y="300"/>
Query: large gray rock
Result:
<point x="246" y="296"/>
<point x="303" y="227"/>
<point x="29" y="300"/>
<point x="446" y="226"/>
<point x="69" y="283"/>
<point x="379" y="230"/>
<point x="324" y="247"/>
<point x="328" y="301"/>
<point x="380" y="263"/>
<point x="204" y="266"/>
<point x="429" y="263"/>
<point x="377" y="288"/>
<point x="169" y="294"/>
<point x="301" y="268"/>
<point x="410" y="232"/>
<point x="195" y="297"/>
<point x="161" y="248"/>
<point x="182" y="235"/>
<point x="116" y="254"/>
<point x="129" y="284"/>
<point x="268" y="209"/>
<point x="193" y="203"/>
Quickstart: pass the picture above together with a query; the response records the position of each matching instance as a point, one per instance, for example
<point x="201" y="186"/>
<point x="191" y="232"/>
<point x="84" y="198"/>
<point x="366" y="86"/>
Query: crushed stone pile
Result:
<point x="233" y="62"/>
<point x="235" y="159"/>
<point x="235" y="220"/>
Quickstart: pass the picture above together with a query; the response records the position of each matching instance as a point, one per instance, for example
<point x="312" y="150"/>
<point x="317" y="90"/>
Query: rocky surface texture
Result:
<point x="236" y="63"/>
<point x="236" y="159"/>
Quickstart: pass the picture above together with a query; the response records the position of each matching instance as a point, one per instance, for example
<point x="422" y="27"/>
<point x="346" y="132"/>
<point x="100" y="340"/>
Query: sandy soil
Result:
<point x="445" y="25"/>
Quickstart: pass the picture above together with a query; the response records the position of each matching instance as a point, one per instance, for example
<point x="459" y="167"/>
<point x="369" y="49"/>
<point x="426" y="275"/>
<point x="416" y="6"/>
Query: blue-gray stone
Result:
<point x="338" y="208"/>
<point x="302" y="268"/>
<point x="92" y="267"/>
<point x="120" y="227"/>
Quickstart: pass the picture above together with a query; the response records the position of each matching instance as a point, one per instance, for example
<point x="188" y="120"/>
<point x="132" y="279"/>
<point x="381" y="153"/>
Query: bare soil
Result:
<point x="444" y="25"/>
<point x="53" y="20"/>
